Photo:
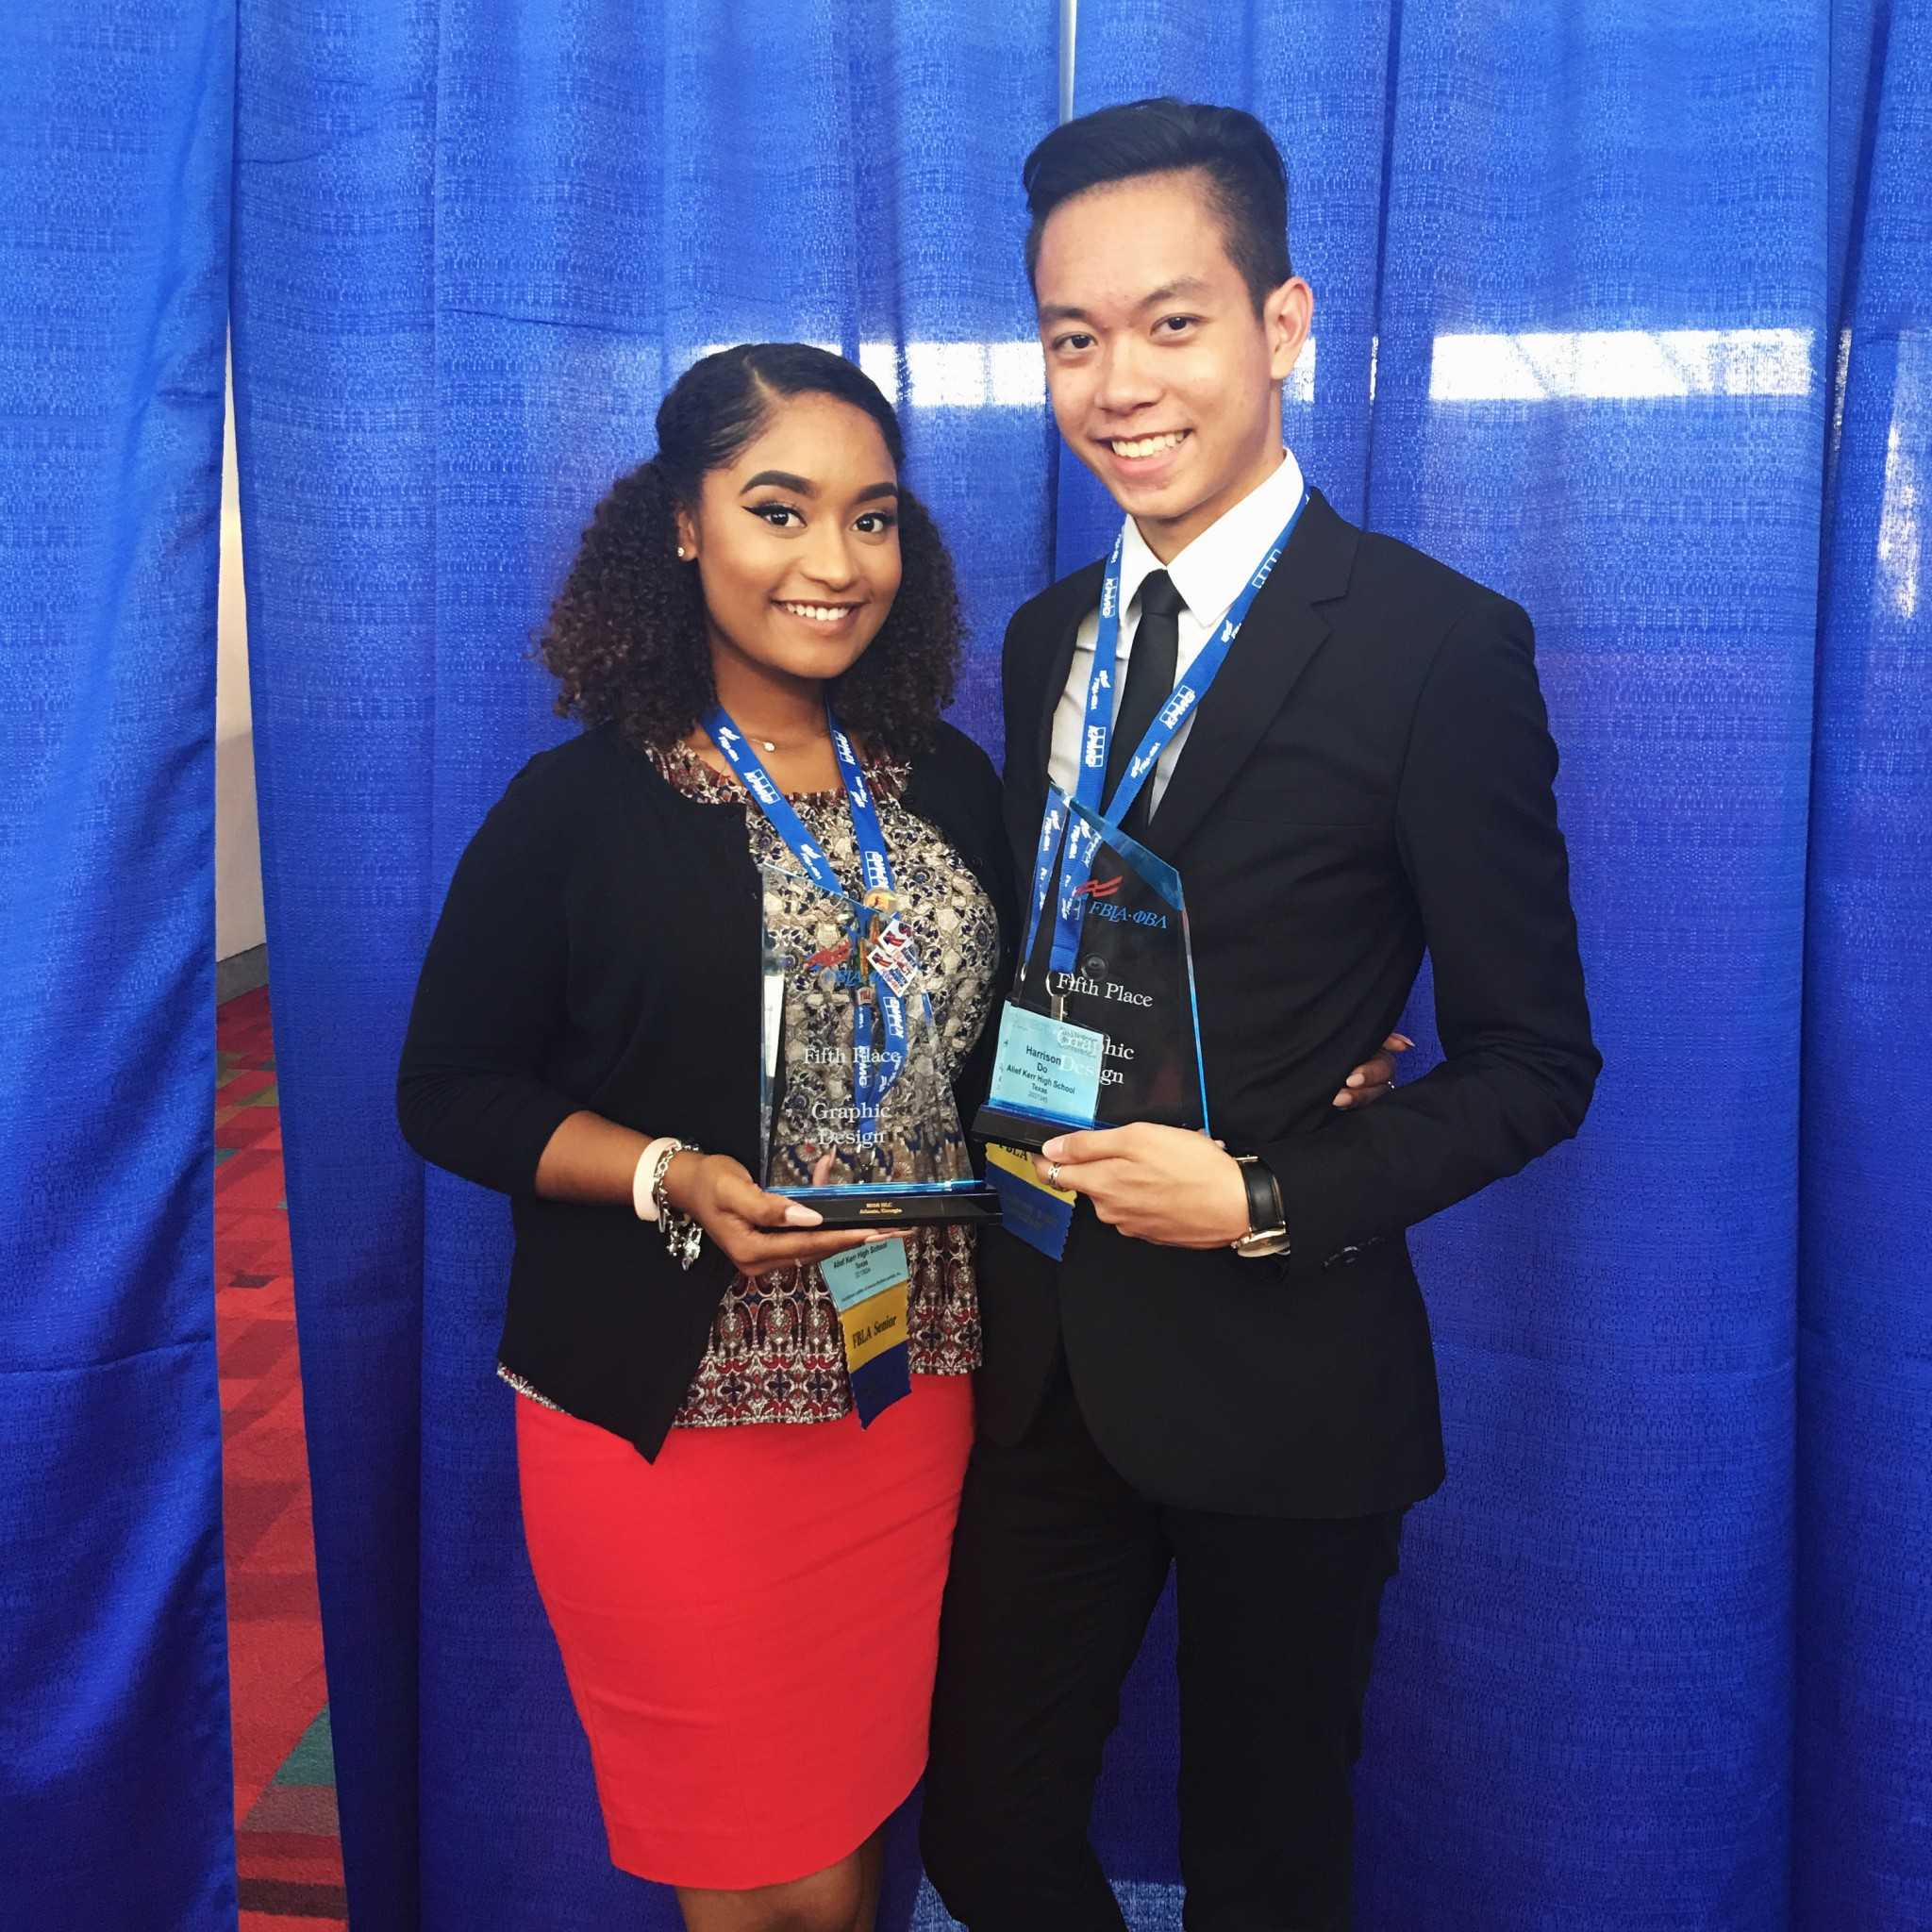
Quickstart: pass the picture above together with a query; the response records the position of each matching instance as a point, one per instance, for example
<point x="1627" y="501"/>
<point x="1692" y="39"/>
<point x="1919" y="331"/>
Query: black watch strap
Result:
<point x="1264" y="1197"/>
<point x="1267" y="1217"/>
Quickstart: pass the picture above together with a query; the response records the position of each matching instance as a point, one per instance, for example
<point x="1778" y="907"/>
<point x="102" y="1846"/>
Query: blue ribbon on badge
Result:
<point x="1039" y="1215"/>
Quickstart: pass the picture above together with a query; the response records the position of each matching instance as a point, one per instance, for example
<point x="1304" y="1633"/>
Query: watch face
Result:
<point x="1253" y="1246"/>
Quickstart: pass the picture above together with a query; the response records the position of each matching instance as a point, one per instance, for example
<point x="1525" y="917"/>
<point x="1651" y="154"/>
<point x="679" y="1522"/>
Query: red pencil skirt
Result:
<point x="749" y="1626"/>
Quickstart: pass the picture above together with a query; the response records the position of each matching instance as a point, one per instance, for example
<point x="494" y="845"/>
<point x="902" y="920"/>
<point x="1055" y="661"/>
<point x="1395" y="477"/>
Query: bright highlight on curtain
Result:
<point x="972" y="375"/>
<point x="1606" y="364"/>
<point x="1523" y="366"/>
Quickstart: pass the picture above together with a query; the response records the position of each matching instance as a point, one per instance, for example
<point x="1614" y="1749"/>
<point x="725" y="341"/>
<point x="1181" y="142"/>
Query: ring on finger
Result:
<point x="1053" y="1174"/>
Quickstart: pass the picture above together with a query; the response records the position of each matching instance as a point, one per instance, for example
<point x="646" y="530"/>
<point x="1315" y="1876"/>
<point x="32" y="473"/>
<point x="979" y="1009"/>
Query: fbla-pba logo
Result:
<point x="1102" y="685"/>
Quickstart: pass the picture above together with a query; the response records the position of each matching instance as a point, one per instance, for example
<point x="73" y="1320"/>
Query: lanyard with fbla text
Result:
<point x="873" y="1073"/>
<point x="1083" y="841"/>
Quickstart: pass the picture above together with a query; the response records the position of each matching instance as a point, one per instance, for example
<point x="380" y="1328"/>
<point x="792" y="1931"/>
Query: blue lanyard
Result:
<point x="873" y="1073"/>
<point x="1083" y="838"/>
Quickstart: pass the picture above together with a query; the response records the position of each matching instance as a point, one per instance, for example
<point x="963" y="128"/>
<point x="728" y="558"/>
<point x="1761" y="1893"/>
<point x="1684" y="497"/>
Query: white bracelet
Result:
<point x="645" y="1176"/>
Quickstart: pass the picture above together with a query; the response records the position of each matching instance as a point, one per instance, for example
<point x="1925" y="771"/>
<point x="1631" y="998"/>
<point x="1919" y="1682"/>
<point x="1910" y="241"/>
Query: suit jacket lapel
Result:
<point x="1283" y="632"/>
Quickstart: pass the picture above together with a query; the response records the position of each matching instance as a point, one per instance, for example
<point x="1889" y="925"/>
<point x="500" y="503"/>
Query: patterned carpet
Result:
<point x="290" y="1855"/>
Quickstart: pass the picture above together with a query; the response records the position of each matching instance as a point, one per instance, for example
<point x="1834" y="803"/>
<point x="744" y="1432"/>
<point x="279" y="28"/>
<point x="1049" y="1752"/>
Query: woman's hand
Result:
<point x="1375" y="1078"/>
<point x="759" y="1230"/>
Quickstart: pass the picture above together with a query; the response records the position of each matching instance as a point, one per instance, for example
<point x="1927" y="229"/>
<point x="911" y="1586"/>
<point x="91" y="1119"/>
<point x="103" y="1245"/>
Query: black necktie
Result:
<point x="1151" y="665"/>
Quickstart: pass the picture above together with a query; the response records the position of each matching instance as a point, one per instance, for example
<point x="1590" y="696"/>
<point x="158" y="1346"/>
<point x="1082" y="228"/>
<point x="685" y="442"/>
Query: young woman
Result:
<point x="744" y="1584"/>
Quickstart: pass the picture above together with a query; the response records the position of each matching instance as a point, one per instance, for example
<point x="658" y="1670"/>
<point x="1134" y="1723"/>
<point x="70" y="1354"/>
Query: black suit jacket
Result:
<point x="1369" y="775"/>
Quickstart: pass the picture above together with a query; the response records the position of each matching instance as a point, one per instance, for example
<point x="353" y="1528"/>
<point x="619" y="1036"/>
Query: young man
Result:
<point x="1367" y="774"/>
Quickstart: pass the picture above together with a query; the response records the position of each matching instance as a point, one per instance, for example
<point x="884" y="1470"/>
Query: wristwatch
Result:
<point x="1267" y="1219"/>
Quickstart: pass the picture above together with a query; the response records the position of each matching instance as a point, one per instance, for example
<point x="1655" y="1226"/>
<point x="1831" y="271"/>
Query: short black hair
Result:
<point x="1246" y="179"/>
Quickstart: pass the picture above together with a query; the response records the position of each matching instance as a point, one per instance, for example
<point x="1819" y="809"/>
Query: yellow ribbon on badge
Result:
<point x="875" y="1324"/>
<point x="1022" y="1166"/>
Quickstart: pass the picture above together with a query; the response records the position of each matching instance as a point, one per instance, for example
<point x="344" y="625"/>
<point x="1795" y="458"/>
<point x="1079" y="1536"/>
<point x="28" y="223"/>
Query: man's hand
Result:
<point x="1175" y="1186"/>
<point x="1375" y="1078"/>
<point x="1158" y="1184"/>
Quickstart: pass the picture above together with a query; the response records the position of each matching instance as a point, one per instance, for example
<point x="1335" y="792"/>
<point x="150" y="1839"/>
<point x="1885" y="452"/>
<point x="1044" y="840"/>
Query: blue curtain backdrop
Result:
<point x="115" y="1781"/>
<point x="1620" y="308"/>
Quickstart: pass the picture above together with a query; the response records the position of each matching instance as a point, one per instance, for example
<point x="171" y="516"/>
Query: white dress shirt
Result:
<point x="1209" y="575"/>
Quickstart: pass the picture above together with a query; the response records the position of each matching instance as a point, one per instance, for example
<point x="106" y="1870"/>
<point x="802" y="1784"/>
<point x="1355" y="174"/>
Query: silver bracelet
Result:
<point x="683" y="1236"/>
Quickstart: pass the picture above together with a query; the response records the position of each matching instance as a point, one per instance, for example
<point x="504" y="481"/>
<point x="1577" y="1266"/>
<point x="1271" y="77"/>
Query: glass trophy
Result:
<point x="857" y="1113"/>
<point x="1100" y="1028"/>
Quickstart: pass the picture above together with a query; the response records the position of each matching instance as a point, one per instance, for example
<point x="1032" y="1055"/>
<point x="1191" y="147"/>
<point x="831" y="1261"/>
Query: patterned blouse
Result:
<point x="776" y="1354"/>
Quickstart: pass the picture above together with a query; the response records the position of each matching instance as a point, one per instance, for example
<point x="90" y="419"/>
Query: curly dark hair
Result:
<point x="626" y="635"/>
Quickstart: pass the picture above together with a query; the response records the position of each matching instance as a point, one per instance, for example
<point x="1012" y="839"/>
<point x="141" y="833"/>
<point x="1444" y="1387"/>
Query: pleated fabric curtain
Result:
<point x="1861" y="1831"/>
<point x="115" y="1778"/>
<point x="1623" y="310"/>
<point x="474" y="244"/>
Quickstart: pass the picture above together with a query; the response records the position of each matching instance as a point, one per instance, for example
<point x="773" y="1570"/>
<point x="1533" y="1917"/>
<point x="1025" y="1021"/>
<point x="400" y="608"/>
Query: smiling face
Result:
<point x="1165" y="382"/>
<point x="797" y="544"/>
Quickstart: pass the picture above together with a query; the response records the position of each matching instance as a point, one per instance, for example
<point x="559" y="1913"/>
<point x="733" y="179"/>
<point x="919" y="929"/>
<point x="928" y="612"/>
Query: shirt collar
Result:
<point x="1210" y="572"/>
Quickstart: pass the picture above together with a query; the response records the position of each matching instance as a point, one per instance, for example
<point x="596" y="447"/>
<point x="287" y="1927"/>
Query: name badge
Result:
<point x="1048" y="1067"/>
<point x="856" y="1275"/>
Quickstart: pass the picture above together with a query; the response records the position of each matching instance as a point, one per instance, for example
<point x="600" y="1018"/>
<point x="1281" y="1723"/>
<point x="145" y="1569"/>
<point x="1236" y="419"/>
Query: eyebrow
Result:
<point x="784" y="479"/>
<point x="1181" y="285"/>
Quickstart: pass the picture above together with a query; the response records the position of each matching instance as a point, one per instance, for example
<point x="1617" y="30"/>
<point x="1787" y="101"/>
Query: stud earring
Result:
<point x="680" y="552"/>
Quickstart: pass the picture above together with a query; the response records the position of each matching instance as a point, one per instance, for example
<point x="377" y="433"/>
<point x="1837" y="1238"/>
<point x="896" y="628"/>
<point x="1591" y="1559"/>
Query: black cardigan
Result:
<point x="598" y="949"/>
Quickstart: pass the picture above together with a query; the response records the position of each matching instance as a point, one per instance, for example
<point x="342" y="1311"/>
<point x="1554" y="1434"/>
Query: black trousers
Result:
<point x="1056" y="1566"/>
